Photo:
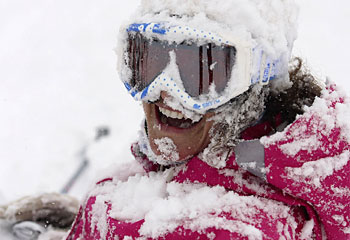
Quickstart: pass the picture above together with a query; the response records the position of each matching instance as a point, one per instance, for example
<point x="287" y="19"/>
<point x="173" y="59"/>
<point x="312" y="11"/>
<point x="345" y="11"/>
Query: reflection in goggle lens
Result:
<point x="199" y="66"/>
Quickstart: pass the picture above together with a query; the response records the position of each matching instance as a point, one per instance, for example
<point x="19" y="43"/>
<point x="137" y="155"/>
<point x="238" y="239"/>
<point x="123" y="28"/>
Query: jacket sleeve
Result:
<point x="310" y="160"/>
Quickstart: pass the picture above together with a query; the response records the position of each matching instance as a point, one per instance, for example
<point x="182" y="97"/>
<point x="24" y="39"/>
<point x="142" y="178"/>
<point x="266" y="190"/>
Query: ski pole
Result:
<point x="29" y="230"/>
<point x="101" y="132"/>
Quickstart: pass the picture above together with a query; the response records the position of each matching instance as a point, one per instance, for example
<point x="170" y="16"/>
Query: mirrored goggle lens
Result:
<point x="199" y="66"/>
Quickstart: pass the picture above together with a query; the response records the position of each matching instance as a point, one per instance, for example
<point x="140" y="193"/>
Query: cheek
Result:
<point x="147" y="110"/>
<point x="208" y="132"/>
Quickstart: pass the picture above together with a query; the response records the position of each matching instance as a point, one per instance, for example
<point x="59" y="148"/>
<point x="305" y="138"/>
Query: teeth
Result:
<point x="171" y="114"/>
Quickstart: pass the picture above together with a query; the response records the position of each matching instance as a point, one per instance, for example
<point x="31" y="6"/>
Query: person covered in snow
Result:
<point x="238" y="141"/>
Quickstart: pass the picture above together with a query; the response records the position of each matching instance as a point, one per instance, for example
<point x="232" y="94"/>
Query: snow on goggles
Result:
<point x="205" y="60"/>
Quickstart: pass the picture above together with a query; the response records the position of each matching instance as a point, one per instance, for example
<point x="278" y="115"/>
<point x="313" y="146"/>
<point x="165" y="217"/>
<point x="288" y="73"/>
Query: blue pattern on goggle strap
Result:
<point x="133" y="93"/>
<point x="211" y="103"/>
<point x="206" y="104"/>
<point x="266" y="73"/>
<point x="135" y="27"/>
<point x="144" y="92"/>
<point x="127" y="86"/>
<point x="196" y="106"/>
<point x="157" y="28"/>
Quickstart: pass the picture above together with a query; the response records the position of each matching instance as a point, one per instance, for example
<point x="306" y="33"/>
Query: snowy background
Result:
<point x="58" y="83"/>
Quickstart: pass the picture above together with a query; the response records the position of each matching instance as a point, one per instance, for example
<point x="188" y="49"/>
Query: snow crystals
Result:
<point x="271" y="22"/>
<point x="316" y="171"/>
<point x="329" y="112"/>
<point x="306" y="232"/>
<point x="167" y="148"/>
<point x="167" y="206"/>
<point x="269" y="25"/>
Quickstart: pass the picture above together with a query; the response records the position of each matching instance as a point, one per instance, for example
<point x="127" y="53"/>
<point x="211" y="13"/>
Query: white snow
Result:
<point x="306" y="232"/>
<point x="268" y="26"/>
<point x="58" y="82"/>
<point x="240" y="181"/>
<point x="314" y="172"/>
<point x="99" y="211"/>
<point x="340" y="191"/>
<point x="166" y="206"/>
<point x="308" y="144"/>
<point x="167" y="148"/>
<point x="317" y="122"/>
<point x="271" y="23"/>
<point x="164" y="145"/>
<point x="212" y="66"/>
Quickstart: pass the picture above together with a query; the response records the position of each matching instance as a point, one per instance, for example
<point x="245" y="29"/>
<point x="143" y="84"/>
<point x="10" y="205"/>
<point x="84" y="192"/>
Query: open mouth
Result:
<point x="174" y="118"/>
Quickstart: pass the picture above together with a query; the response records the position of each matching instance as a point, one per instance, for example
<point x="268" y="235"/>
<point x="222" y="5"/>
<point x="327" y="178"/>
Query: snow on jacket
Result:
<point x="300" y="188"/>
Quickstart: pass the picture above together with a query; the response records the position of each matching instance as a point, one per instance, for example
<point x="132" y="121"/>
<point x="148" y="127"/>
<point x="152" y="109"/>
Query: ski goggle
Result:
<point x="212" y="69"/>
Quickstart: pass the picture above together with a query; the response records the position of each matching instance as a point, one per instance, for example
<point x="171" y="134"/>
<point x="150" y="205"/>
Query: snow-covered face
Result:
<point x="171" y="135"/>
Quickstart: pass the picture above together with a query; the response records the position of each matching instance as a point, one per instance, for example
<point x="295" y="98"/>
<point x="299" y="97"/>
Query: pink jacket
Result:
<point x="304" y="175"/>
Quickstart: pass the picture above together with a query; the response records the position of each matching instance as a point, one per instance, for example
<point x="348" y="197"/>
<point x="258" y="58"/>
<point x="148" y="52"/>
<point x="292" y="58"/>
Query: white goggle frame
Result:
<point x="252" y="66"/>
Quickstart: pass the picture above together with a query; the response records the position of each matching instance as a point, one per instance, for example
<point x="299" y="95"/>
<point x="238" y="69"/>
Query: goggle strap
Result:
<point x="267" y="70"/>
<point x="262" y="68"/>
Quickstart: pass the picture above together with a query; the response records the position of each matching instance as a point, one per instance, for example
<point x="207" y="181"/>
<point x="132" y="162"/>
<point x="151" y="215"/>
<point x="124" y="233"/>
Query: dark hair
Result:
<point x="246" y="109"/>
<point x="291" y="101"/>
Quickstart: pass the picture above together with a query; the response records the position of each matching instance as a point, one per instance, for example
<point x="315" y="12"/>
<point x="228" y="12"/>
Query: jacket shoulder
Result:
<point x="309" y="159"/>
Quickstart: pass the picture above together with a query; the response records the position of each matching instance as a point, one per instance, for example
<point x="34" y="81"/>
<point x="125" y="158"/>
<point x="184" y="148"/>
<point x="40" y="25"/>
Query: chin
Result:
<point x="172" y="137"/>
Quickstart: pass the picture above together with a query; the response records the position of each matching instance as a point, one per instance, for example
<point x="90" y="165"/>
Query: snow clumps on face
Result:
<point x="230" y="120"/>
<point x="171" y="71"/>
<point x="167" y="148"/>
